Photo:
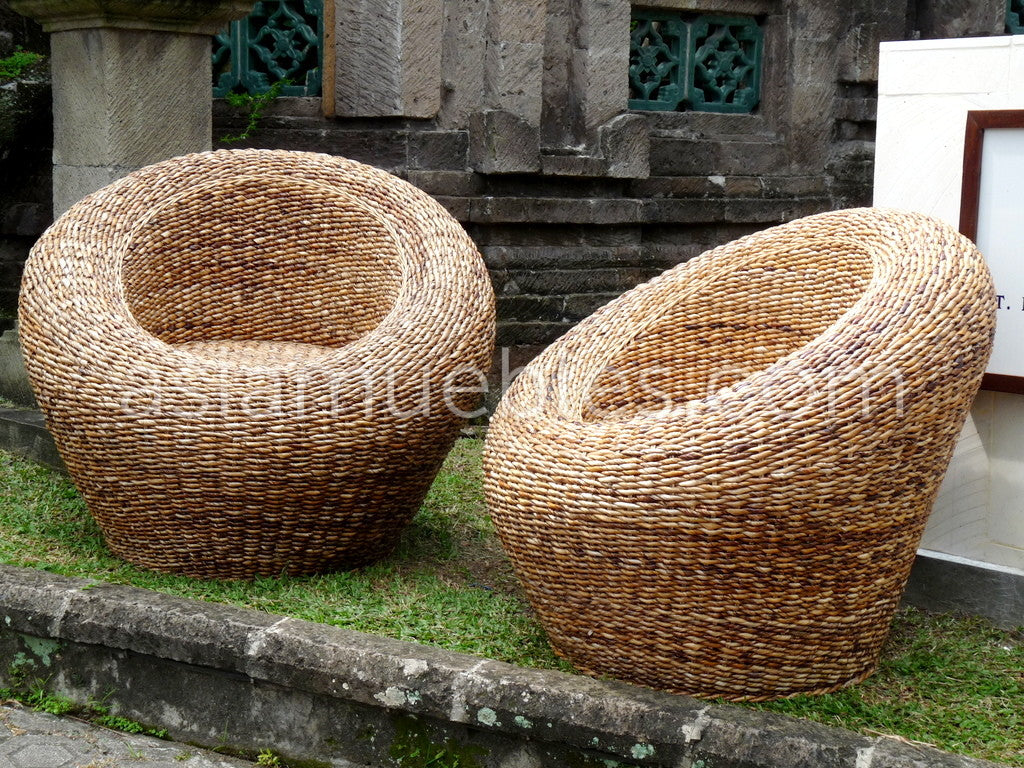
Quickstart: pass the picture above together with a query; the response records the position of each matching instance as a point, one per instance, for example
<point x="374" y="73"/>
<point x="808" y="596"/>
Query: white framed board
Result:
<point x="991" y="207"/>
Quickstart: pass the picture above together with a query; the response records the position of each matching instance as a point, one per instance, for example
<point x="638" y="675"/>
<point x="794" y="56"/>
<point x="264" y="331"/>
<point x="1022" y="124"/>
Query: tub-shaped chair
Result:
<point x="254" y="362"/>
<point x="716" y="484"/>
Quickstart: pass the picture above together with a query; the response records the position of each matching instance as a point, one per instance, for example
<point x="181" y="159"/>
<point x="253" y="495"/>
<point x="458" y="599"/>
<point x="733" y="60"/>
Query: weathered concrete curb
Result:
<point x="212" y="674"/>
<point x="941" y="582"/>
<point x="23" y="433"/>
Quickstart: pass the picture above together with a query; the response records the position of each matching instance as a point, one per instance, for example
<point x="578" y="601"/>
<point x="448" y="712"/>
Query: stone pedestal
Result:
<point x="131" y="84"/>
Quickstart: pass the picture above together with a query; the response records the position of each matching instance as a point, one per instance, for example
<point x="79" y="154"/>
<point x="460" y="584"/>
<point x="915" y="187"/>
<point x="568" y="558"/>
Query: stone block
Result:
<point x="680" y="186"/>
<point x="438" y="150"/>
<point x="388" y="58"/>
<point x="749" y="211"/>
<point x="600" y="53"/>
<point x="702" y="157"/>
<point x="946" y="584"/>
<point x="560" y="117"/>
<point x="520" y="21"/>
<point x="14" y="384"/>
<point x="23" y="433"/>
<point x="544" y="258"/>
<point x="446" y="183"/>
<point x="860" y="110"/>
<point x="463" y="51"/>
<point x="564" y="236"/>
<point x="626" y="147"/>
<point x="515" y="334"/>
<point x="858" y="54"/>
<point x="117" y="616"/>
<point x="580" y="281"/>
<point x="72" y="182"/>
<point x="580" y="306"/>
<point x="815" y="21"/>
<point x="574" y="165"/>
<point x="459" y="207"/>
<point x="324" y="695"/>
<point x="502" y="142"/>
<point x="96" y="75"/>
<point x="514" y="73"/>
<point x="105" y="112"/>
<point x="383" y="148"/>
<point x="193" y="17"/>
<point x="557" y="210"/>
<point x="941" y="19"/>
<point x="422" y="32"/>
<point x="514" y="59"/>
<point x="794" y="186"/>
<point x="531" y="308"/>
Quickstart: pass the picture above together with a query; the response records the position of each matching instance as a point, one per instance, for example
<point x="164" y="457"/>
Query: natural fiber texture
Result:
<point x="717" y="483"/>
<point x="244" y="358"/>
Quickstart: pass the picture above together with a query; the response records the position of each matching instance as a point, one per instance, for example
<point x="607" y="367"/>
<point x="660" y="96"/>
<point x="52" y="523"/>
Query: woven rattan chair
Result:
<point x="255" y="361"/>
<point x="717" y="483"/>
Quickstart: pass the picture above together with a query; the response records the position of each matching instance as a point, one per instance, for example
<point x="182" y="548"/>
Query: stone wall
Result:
<point x="25" y="158"/>
<point x="571" y="197"/>
<point x="513" y="113"/>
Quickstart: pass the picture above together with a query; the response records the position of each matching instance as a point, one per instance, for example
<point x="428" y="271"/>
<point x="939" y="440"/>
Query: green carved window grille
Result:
<point x="705" y="63"/>
<point x="279" y="40"/>
<point x="1015" y="17"/>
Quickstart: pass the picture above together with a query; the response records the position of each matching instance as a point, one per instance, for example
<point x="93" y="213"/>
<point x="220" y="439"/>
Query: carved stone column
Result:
<point x="131" y="84"/>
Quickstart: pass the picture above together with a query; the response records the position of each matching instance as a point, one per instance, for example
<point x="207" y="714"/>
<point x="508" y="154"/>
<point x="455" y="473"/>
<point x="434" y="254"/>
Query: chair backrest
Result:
<point x="261" y="258"/>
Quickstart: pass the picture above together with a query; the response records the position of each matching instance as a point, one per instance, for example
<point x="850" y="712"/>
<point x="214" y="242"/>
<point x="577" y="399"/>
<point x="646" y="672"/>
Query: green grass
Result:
<point x="953" y="682"/>
<point x="447" y="584"/>
<point x="19" y="63"/>
<point x="956" y="683"/>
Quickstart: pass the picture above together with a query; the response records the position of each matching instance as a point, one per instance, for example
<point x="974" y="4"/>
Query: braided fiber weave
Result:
<point x="252" y="361"/>
<point x="716" y="484"/>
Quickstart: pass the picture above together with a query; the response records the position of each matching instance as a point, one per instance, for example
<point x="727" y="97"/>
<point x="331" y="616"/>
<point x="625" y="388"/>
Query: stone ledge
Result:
<point x="199" y="17"/>
<point x="186" y="665"/>
<point x="23" y="433"/>
<point x="941" y="582"/>
<point x="487" y="209"/>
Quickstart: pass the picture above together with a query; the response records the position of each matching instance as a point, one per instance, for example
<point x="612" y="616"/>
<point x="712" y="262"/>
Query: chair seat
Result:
<point x="274" y="354"/>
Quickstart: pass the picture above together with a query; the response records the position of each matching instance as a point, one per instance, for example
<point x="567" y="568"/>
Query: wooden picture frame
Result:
<point x="1002" y="376"/>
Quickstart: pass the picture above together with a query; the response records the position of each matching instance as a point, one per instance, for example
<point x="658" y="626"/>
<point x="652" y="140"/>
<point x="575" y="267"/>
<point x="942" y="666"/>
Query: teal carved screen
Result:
<point x="698" y="62"/>
<point x="279" y="40"/>
<point x="1015" y="17"/>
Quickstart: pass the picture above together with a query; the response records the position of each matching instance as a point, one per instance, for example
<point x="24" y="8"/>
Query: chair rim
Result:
<point x="560" y="365"/>
<point x="177" y="349"/>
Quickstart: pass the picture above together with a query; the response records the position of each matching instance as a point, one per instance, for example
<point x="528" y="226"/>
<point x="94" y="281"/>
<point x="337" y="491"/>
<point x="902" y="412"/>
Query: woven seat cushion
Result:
<point x="271" y="354"/>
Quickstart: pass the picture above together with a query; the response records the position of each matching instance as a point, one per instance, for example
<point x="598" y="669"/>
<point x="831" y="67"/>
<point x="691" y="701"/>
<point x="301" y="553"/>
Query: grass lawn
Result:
<point x="955" y="683"/>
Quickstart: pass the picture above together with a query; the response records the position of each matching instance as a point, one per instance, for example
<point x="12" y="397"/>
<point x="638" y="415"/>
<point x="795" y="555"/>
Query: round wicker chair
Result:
<point x="254" y="362"/>
<point x="717" y="483"/>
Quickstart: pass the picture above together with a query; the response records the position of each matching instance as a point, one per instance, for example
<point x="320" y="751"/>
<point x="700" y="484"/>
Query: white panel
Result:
<point x="999" y="214"/>
<point x="970" y="66"/>
<point x="1006" y="514"/>
<point x="959" y="522"/>
<point x="925" y="91"/>
<point x="919" y="154"/>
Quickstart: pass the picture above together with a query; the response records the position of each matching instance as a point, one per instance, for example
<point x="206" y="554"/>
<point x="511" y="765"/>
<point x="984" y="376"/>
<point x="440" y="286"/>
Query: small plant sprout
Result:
<point x="255" y="105"/>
